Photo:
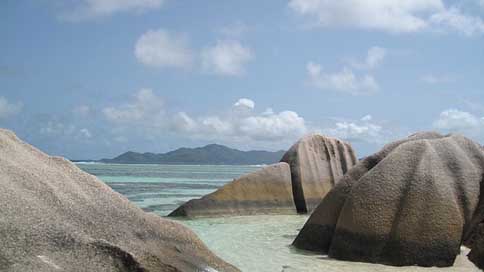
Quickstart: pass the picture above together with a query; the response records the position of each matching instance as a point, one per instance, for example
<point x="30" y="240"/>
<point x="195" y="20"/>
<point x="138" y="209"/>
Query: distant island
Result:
<point x="209" y="154"/>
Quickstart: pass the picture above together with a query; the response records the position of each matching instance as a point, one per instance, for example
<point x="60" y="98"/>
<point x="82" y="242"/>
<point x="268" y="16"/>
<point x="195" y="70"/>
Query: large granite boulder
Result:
<point x="412" y="203"/>
<point x="55" y="217"/>
<point x="477" y="253"/>
<point x="317" y="162"/>
<point x="266" y="191"/>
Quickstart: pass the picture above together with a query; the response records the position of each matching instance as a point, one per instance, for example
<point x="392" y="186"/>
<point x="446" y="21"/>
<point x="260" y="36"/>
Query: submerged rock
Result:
<point x="317" y="162"/>
<point x="409" y="204"/>
<point x="266" y="191"/>
<point x="56" y="217"/>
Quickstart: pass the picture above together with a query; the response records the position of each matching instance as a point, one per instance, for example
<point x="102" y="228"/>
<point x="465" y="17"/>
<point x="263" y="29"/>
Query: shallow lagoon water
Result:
<point x="262" y="243"/>
<point x="252" y="243"/>
<point x="162" y="188"/>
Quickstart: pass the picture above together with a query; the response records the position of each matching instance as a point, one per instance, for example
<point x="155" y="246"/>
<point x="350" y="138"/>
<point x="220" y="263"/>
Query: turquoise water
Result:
<point x="252" y="243"/>
<point x="162" y="188"/>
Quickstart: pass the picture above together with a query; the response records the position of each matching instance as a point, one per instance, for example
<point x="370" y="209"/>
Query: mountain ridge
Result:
<point x="209" y="154"/>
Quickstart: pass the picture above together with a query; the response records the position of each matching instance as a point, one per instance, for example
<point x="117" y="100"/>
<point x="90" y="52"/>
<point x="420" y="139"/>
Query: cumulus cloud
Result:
<point x="54" y="127"/>
<point x="454" y="120"/>
<point x="183" y="122"/>
<point x="454" y="20"/>
<point x="234" y="126"/>
<point x="374" y="58"/>
<point x="240" y="122"/>
<point x="393" y="16"/>
<point x="285" y="124"/>
<point x="363" y="130"/>
<point x="345" y="81"/>
<point x="245" y="103"/>
<point x="8" y="109"/>
<point x="88" y="9"/>
<point x="387" y="15"/>
<point x="159" y="48"/>
<point x="226" y="57"/>
<point x="145" y="107"/>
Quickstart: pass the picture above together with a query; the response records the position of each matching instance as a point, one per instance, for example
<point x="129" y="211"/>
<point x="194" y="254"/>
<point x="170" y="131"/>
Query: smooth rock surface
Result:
<point x="412" y="203"/>
<point x="55" y="217"/>
<point x="266" y="191"/>
<point x="317" y="162"/>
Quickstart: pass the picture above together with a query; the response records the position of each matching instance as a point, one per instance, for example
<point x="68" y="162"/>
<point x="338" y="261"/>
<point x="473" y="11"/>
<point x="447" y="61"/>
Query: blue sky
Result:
<point x="94" y="78"/>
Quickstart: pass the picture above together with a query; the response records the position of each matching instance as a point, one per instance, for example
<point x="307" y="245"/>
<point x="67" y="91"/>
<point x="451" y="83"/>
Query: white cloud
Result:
<point x="481" y="3"/>
<point x="366" y="118"/>
<point x="226" y="57"/>
<point x="393" y="16"/>
<point x="436" y="79"/>
<point x="268" y="111"/>
<point x="88" y="9"/>
<point x="183" y="122"/>
<point x="344" y="81"/>
<point x="146" y="108"/>
<point x="458" y="121"/>
<point x="8" y="109"/>
<point x="386" y="15"/>
<point x="249" y="126"/>
<point x="158" y="48"/>
<point x="54" y="127"/>
<point x="147" y="113"/>
<point x="374" y="58"/>
<point x="245" y="103"/>
<point x="217" y="126"/>
<point x="146" y="116"/>
<point x="239" y="124"/>
<point x="454" y="20"/>
<point x="286" y="124"/>
<point x="363" y="130"/>
<point x="57" y="128"/>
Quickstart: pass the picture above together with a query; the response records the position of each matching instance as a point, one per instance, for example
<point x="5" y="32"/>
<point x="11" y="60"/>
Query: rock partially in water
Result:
<point x="474" y="238"/>
<point x="266" y="191"/>
<point x="56" y="217"/>
<point x="409" y="204"/>
<point x="317" y="162"/>
<point x="477" y="253"/>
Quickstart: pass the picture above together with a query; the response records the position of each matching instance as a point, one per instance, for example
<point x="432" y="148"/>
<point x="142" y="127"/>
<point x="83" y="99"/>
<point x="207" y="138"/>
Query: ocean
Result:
<point x="252" y="243"/>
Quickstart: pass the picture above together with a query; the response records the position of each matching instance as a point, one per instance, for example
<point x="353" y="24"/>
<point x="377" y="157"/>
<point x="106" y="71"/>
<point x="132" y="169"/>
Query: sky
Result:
<point x="90" y="79"/>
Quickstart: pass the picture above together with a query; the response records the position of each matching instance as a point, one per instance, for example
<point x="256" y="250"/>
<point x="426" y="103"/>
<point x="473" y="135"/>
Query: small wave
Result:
<point x="87" y="162"/>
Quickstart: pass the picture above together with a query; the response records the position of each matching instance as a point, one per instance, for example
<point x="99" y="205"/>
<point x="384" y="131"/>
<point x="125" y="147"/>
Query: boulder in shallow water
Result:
<point x="477" y="253"/>
<point x="317" y="162"/>
<point x="409" y="204"/>
<point x="55" y="217"/>
<point x="266" y="191"/>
